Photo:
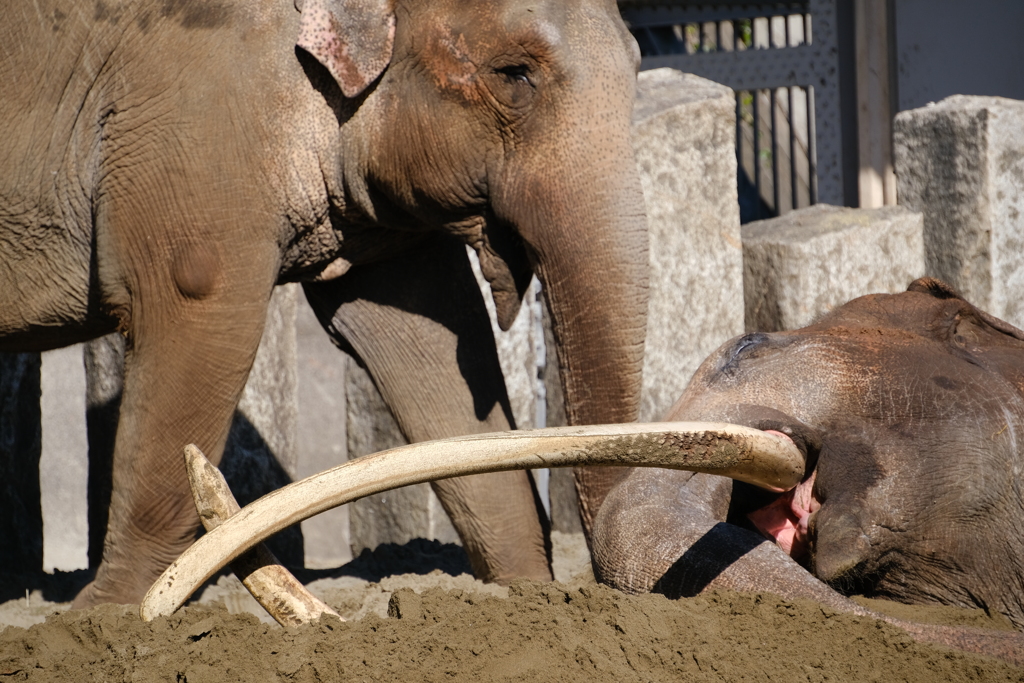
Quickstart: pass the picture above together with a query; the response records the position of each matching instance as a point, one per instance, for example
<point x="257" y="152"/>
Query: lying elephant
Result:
<point x="910" y="409"/>
<point x="164" y="165"/>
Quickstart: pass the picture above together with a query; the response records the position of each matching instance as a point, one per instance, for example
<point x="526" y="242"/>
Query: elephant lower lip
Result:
<point x="786" y="520"/>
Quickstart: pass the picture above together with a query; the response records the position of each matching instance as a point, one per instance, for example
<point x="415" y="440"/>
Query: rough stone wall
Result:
<point x="684" y="131"/>
<point x="960" y="163"/>
<point x="322" y="439"/>
<point x="807" y="262"/>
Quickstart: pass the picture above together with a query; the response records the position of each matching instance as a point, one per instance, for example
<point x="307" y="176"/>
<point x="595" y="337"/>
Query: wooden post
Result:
<point x="876" y="179"/>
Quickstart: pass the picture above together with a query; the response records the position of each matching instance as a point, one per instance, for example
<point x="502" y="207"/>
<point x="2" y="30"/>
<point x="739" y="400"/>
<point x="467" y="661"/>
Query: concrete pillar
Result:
<point x="684" y="131"/>
<point x="322" y="435"/>
<point x="809" y="261"/>
<point x="64" y="464"/>
<point x="876" y="182"/>
<point x="961" y="163"/>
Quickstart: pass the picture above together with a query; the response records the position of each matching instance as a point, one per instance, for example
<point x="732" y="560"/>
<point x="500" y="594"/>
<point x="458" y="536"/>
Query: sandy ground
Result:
<point x="415" y="615"/>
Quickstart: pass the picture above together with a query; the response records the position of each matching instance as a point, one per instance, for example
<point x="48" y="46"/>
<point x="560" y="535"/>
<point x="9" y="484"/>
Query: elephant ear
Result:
<point x="940" y="290"/>
<point x="352" y="38"/>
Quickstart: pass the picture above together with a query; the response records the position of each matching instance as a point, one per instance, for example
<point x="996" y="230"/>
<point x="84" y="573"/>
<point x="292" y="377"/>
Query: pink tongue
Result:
<point x="785" y="520"/>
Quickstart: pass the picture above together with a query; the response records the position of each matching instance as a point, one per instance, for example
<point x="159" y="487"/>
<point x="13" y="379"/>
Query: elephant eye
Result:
<point x="516" y="73"/>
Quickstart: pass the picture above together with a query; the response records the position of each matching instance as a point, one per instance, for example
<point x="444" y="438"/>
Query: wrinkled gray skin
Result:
<point x="911" y="411"/>
<point x="164" y="164"/>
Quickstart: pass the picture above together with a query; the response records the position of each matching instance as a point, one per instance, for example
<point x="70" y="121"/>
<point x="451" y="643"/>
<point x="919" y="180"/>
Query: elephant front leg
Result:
<point x="419" y="324"/>
<point x="665" y="531"/>
<point x="186" y="363"/>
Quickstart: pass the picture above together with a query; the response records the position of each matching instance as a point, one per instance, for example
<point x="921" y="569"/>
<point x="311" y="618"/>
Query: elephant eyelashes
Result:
<point x="518" y="73"/>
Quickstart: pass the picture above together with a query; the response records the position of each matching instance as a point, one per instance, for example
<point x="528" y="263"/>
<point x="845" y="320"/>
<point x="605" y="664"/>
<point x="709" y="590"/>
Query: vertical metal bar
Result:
<point x="735" y="36"/>
<point x="650" y="38"/>
<point x="792" y="137"/>
<point x="812" y="146"/>
<point x="894" y="62"/>
<point x="793" y="177"/>
<point x="718" y="36"/>
<point x="739" y="131"/>
<point x="757" y="150"/>
<point x="776" y="170"/>
<point x="700" y="37"/>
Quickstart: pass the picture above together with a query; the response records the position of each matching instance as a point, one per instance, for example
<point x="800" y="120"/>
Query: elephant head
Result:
<point x="908" y="407"/>
<point x="507" y="124"/>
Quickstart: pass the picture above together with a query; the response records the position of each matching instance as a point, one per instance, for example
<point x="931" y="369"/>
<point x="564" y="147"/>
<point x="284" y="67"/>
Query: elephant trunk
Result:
<point x="596" y="289"/>
<point x="586" y="231"/>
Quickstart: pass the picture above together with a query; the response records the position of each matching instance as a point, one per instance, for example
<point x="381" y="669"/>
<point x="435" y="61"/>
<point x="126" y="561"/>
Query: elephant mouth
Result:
<point x="787" y="520"/>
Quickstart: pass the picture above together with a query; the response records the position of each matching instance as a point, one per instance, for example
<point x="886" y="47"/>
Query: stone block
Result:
<point x="683" y="133"/>
<point x="64" y="464"/>
<point x="961" y="164"/>
<point x="806" y="262"/>
<point x="322" y="436"/>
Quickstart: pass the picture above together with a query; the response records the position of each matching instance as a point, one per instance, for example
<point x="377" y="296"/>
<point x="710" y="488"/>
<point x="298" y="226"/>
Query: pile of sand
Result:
<point x="434" y="626"/>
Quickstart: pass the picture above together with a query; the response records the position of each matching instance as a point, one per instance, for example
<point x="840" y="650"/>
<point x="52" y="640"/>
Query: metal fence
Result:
<point x="781" y="58"/>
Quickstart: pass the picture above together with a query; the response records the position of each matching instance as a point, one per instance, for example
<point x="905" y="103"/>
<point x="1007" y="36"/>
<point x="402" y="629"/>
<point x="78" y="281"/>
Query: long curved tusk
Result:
<point x="281" y="594"/>
<point x="742" y="453"/>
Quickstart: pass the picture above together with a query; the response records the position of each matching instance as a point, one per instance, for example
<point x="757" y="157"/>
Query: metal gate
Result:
<point x="782" y="59"/>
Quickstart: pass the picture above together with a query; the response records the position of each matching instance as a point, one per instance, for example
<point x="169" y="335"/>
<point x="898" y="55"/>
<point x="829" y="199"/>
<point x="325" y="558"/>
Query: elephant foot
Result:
<point x="126" y="589"/>
<point x="535" y="568"/>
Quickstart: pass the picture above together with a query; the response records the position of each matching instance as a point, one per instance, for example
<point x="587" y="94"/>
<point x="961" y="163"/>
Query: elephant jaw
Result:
<point x="745" y="454"/>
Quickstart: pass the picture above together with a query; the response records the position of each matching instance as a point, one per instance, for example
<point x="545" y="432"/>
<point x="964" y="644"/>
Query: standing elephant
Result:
<point x="164" y="165"/>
